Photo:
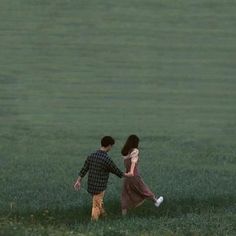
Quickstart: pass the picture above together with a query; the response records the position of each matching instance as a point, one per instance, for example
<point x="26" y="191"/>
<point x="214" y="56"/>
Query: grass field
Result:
<point x="72" y="71"/>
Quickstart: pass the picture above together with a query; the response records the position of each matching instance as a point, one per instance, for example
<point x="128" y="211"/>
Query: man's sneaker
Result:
<point x="159" y="201"/>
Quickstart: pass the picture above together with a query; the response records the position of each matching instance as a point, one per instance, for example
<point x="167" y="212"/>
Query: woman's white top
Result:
<point x="133" y="155"/>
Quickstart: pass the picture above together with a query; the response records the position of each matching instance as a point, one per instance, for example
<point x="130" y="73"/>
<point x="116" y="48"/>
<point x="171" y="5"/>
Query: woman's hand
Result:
<point x="129" y="174"/>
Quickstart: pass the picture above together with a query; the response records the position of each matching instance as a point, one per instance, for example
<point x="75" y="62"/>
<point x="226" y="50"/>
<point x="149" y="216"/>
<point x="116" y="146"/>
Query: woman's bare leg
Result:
<point x="124" y="212"/>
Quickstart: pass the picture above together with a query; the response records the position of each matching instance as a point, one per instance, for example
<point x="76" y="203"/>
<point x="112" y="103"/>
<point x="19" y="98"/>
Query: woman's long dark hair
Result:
<point x="131" y="143"/>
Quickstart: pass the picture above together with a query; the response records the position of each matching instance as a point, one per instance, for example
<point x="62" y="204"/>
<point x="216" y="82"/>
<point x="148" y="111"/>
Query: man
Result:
<point x="99" y="165"/>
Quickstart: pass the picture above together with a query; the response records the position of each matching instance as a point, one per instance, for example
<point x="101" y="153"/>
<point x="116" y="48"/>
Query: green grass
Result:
<point x="73" y="71"/>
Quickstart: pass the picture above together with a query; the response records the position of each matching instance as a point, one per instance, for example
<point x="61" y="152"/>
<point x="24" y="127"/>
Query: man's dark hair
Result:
<point x="107" y="140"/>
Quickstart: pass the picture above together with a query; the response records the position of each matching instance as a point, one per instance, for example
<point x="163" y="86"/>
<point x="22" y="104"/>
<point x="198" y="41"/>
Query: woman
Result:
<point x="135" y="191"/>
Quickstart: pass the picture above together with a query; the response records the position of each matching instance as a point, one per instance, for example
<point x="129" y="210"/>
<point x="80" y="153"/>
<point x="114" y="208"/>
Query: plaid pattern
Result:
<point x="99" y="165"/>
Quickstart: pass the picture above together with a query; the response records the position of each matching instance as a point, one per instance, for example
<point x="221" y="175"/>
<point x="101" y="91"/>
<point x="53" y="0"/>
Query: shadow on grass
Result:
<point x="170" y="208"/>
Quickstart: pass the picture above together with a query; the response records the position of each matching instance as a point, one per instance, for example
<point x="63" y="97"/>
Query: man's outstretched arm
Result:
<point x="115" y="170"/>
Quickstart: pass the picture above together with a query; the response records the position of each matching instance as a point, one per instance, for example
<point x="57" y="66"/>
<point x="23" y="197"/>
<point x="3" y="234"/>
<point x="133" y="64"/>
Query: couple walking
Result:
<point x="99" y="165"/>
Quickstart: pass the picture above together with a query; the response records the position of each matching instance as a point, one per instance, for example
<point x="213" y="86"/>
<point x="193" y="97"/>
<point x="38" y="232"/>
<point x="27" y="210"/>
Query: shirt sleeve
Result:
<point x="134" y="155"/>
<point x="85" y="168"/>
<point x="112" y="168"/>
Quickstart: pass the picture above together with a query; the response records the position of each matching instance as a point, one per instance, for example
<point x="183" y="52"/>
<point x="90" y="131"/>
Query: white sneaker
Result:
<point x="159" y="201"/>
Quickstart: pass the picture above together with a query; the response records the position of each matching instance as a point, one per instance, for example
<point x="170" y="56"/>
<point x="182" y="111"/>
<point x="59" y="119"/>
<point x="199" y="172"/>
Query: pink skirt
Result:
<point x="134" y="192"/>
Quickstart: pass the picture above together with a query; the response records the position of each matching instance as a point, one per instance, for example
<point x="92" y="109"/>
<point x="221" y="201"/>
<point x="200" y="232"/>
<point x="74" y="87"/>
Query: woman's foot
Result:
<point x="159" y="201"/>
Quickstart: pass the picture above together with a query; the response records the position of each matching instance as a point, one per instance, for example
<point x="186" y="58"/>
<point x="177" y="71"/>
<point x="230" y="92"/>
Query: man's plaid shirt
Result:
<point x="99" y="165"/>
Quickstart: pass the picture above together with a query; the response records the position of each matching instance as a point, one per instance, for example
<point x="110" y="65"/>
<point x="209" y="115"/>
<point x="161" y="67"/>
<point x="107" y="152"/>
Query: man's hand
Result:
<point x="77" y="184"/>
